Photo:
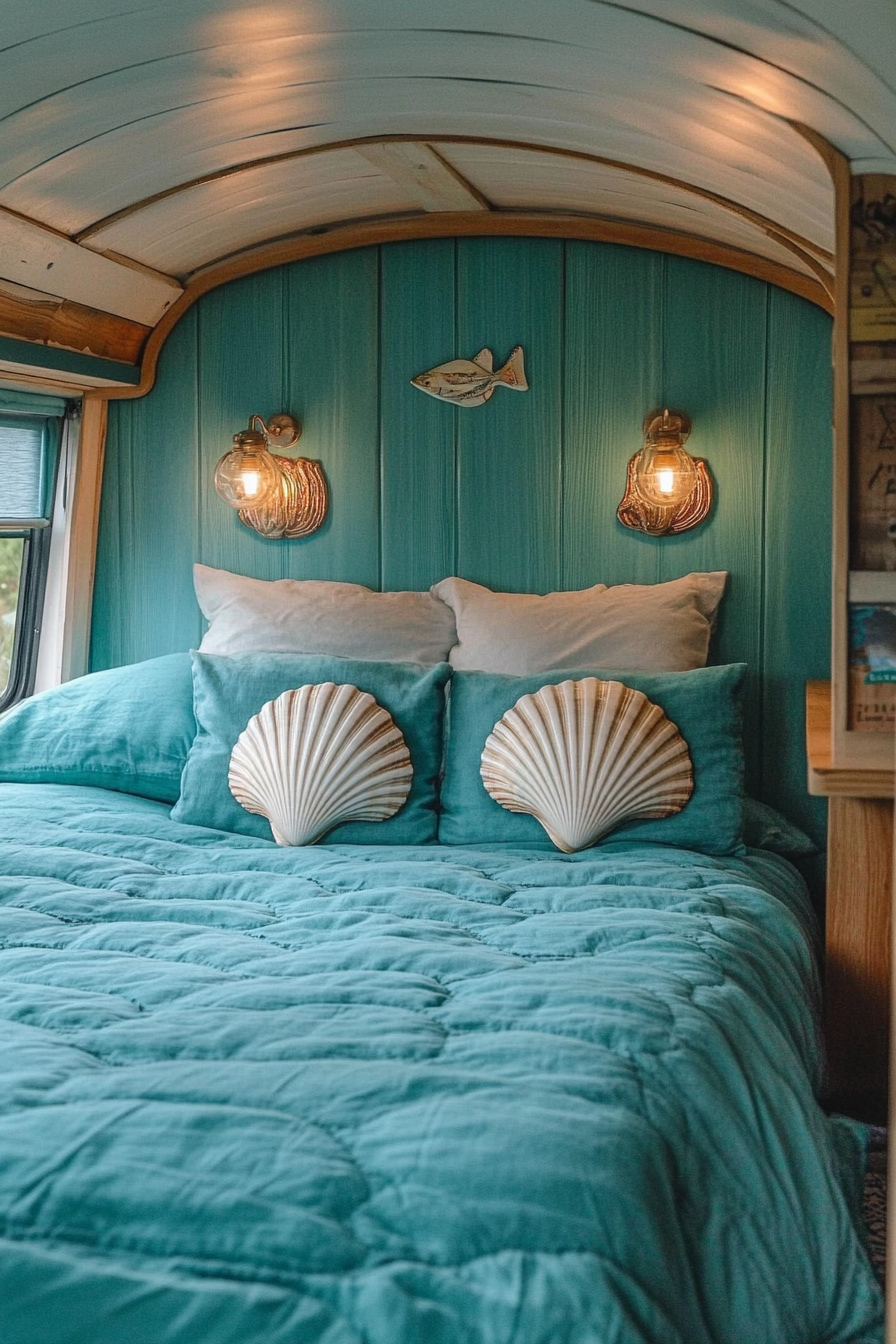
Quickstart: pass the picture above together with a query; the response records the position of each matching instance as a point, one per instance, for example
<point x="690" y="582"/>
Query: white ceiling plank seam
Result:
<point x="40" y="259"/>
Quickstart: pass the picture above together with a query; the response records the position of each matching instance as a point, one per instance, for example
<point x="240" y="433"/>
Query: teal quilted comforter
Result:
<point x="407" y="1096"/>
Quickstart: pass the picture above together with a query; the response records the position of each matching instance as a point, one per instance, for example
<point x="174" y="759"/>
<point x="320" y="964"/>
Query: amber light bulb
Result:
<point x="247" y="476"/>
<point x="665" y="473"/>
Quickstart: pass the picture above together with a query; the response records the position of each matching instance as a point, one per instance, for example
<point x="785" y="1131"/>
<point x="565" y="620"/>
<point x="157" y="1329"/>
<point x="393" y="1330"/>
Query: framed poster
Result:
<point x="872" y="667"/>
<point x="872" y="286"/>
<point x="873" y="478"/>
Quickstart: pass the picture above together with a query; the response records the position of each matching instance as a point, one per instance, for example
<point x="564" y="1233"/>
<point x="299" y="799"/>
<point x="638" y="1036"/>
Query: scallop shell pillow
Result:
<point x="698" y="711"/>
<point x="584" y="757"/>
<point x="229" y="692"/>
<point x="317" y="756"/>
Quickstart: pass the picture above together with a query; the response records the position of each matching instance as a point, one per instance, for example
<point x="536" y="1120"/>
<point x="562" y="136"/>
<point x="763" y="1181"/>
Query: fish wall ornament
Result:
<point x="470" y="382"/>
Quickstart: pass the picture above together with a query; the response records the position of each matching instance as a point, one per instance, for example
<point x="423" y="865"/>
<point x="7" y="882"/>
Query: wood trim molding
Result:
<point x="857" y="955"/>
<point x="838" y="166"/>
<point x="823" y="273"/>
<point x="432" y="141"/>
<point x="84" y="527"/>
<point x="455" y="224"/>
<point x="890" y="1297"/>
<point x="47" y="320"/>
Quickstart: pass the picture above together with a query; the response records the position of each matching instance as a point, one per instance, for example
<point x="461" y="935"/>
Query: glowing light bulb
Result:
<point x="247" y="476"/>
<point x="665" y="473"/>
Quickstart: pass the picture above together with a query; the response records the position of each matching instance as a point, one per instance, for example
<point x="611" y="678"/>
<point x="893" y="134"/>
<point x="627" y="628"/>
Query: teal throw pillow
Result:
<point x="228" y="691"/>
<point x="765" y="828"/>
<point x="705" y="705"/>
<point x="127" y="729"/>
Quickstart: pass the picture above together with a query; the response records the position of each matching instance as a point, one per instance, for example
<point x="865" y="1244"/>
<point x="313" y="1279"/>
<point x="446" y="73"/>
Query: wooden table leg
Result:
<point x="857" y="940"/>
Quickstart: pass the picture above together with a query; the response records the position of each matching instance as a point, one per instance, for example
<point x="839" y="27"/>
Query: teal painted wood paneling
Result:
<point x="332" y="360"/>
<point x="613" y="376"/>
<point x="417" y="432"/>
<point x="509" y="451"/>
<point x="520" y="493"/>
<point x="241" y="360"/>
<point x="143" y="598"/>
<point x="796" y="607"/>
<point x="714" y="367"/>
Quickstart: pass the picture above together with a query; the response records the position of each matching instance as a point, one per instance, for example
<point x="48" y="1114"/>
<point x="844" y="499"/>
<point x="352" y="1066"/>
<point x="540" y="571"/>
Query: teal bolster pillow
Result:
<point x="229" y="690"/>
<point x="705" y="705"/>
<point x="128" y="729"/>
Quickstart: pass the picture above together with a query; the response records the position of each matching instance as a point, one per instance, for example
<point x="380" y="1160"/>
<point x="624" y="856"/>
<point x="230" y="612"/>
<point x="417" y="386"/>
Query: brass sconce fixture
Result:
<point x="277" y="496"/>
<point x="666" y="489"/>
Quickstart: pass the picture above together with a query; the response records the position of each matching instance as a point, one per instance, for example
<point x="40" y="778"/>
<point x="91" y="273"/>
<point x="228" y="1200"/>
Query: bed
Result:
<point x="403" y="1093"/>
<point x="438" y="1094"/>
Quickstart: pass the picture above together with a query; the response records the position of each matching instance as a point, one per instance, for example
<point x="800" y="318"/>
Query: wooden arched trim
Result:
<point x="473" y="225"/>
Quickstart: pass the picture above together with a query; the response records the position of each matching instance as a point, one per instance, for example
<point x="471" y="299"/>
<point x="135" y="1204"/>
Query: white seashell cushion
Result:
<point x="583" y="757"/>
<point x="317" y="756"/>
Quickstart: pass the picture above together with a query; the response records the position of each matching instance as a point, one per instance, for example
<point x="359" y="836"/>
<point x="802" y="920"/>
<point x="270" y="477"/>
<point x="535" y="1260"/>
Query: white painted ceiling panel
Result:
<point x="183" y="232"/>
<point x="107" y="104"/>
<point x="521" y="179"/>
<point x="644" y="91"/>
<point x="41" y="260"/>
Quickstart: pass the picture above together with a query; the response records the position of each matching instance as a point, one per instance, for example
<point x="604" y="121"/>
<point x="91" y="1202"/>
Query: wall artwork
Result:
<point x="872" y="279"/>
<point x="872" y="667"/>
<point x="871" y="619"/>
<point x="470" y="382"/>
<point x="873" y="471"/>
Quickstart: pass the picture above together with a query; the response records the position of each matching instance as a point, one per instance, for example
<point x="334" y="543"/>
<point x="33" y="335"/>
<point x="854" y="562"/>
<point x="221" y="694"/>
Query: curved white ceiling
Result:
<point x="178" y="132"/>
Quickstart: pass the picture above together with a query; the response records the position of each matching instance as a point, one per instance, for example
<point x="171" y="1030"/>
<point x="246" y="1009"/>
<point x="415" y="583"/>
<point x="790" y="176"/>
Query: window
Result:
<point x="12" y="553"/>
<point x="29" y="442"/>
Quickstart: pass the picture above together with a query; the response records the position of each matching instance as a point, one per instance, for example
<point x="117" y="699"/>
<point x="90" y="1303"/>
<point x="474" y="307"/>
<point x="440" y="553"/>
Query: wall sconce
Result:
<point x="277" y="496"/>
<point x="666" y="489"/>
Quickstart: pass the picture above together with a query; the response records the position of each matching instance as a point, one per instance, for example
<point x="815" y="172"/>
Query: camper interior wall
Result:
<point x="520" y="494"/>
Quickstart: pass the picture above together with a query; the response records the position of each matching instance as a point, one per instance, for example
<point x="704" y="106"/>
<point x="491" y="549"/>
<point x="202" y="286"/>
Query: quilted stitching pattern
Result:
<point x="391" y="1096"/>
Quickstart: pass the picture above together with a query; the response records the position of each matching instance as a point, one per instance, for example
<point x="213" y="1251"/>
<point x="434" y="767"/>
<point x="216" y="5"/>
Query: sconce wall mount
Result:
<point x="666" y="490"/>
<point x="278" y="497"/>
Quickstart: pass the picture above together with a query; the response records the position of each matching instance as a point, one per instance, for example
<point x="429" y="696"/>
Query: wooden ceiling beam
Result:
<point x="39" y="258"/>
<point x="424" y="175"/>
<point x="51" y="320"/>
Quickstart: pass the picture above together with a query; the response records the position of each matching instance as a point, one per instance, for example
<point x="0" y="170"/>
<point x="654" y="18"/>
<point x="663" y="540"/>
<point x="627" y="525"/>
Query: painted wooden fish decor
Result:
<point x="470" y="382"/>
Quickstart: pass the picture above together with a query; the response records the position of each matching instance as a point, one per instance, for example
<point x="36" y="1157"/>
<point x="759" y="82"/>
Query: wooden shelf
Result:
<point x="824" y="780"/>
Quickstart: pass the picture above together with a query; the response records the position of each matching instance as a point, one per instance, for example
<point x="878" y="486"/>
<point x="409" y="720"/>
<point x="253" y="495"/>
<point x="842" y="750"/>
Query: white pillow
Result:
<point x="317" y="616"/>
<point x="660" y="627"/>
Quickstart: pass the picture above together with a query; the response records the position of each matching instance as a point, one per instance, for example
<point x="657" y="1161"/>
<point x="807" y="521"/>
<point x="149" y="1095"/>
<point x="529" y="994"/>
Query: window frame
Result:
<point x="35" y="563"/>
<point x="29" y="612"/>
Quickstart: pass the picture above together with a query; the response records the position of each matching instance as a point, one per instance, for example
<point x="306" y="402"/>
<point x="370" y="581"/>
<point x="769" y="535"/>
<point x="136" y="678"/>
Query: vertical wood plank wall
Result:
<point x="518" y="494"/>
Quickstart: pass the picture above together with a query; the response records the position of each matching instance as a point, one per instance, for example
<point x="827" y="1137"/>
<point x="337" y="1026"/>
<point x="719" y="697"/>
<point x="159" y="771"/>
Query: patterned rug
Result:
<point x="874" y="1200"/>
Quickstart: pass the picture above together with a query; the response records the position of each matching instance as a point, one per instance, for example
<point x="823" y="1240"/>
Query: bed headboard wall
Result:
<point x="518" y="494"/>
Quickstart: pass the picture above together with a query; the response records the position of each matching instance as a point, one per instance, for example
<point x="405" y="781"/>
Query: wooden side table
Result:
<point x="857" y="921"/>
